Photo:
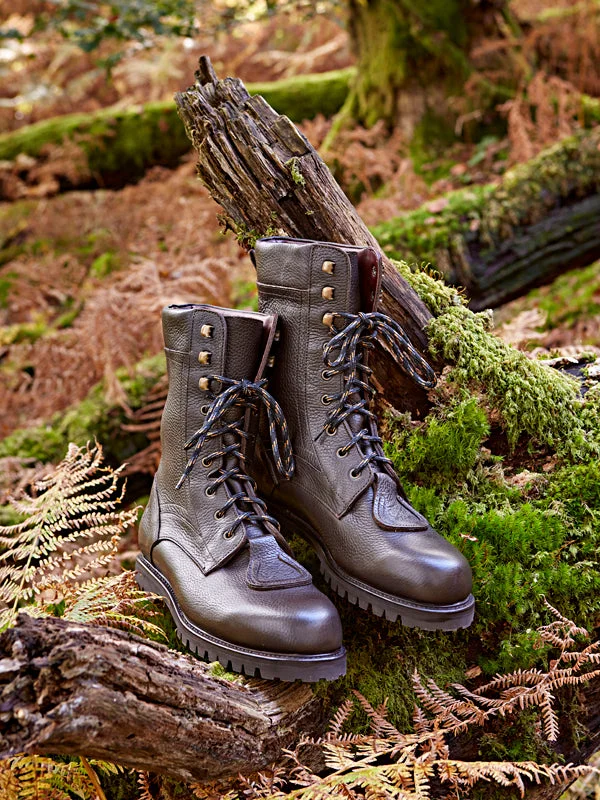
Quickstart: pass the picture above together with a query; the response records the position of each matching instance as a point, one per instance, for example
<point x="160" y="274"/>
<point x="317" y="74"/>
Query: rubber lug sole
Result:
<point x="412" y="614"/>
<point x="252" y="663"/>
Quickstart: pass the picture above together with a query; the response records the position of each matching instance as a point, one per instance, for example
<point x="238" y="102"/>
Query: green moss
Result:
<point x="533" y="400"/>
<point x="481" y="217"/>
<point x="22" y="332"/>
<point x="304" y="96"/>
<point x="446" y="447"/>
<point x="294" y="167"/>
<point x="118" y="145"/>
<point x="105" y="264"/>
<point x="571" y="297"/>
<point x="92" y="418"/>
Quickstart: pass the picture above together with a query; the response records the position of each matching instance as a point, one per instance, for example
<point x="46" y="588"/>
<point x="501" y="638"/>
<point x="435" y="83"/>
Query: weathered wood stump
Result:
<point x="268" y="178"/>
<point x="70" y="689"/>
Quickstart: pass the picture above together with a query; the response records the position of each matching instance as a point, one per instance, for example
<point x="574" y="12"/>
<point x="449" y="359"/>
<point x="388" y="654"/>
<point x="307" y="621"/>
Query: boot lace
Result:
<point x="239" y="394"/>
<point x="361" y="333"/>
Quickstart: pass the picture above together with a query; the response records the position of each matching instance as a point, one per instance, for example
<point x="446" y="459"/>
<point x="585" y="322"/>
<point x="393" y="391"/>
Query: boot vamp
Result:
<point x="297" y="619"/>
<point x="410" y="561"/>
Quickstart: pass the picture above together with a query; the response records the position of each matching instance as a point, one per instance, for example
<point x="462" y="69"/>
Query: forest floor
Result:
<point x="84" y="274"/>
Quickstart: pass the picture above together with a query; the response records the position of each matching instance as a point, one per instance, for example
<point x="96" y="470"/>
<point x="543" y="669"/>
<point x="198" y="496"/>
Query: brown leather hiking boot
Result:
<point x="209" y="546"/>
<point x="345" y="498"/>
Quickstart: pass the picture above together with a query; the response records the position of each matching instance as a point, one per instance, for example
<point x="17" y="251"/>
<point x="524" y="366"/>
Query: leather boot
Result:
<point x="208" y="544"/>
<point x="345" y="497"/>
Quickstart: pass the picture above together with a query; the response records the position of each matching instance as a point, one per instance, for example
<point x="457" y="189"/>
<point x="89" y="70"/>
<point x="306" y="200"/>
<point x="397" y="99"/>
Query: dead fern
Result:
<point x="386" y="763"/>
<point x="31" y="777"/>
<point x="55" y="559"/>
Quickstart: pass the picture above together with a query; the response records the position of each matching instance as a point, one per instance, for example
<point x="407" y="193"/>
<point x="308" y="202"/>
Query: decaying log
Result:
<point x="67" y="688"/>
<point x="500" y="240"/>
<point x="268" y="178"/>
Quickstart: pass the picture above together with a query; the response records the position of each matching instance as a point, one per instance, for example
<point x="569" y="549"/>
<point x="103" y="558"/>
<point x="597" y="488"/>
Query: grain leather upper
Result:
<point x="239" y="583"/>
<point x="362" y="518"/>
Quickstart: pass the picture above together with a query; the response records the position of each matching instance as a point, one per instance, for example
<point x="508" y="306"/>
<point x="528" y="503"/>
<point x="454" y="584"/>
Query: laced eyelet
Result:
<point x="207" y="461"/>
<point x="330" y="431"/>
<point x="229" y="534"/>
<point x="354" y="474"/>
<point x="204" y="410"/>
<point x="326" y="400"/>
<point x="342" y="452"/>
<point x="326" y="375"/>
<point x="219" y="514"/>
<point x="209" y="491"/>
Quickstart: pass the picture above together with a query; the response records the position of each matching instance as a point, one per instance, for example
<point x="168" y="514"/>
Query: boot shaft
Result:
<point x="306" y="284"/>
<point x="201" y="342"/>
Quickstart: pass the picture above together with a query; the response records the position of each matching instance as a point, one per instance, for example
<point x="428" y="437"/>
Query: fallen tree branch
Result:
<point x="71" y="689"/>
<point x="115" y="146"/>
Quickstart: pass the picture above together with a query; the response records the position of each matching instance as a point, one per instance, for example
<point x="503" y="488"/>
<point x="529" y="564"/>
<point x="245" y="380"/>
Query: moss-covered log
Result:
<point x="498" y="241"/>
<point x="113" y="147"/>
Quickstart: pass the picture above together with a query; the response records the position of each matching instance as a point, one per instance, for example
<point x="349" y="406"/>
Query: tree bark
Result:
<point x="70" y="689"/>
<point x="268" y="178"/>
<point x="412" y="58"/>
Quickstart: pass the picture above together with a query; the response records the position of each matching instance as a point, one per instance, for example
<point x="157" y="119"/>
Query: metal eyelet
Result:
<point x="328" y="267"/>
<point x="354" y="474"/>
<point x="204" y="357"/>
<point x="229" y="534"/>
<point x="207" y="331"/>
<point x="219" y="514"/>
<point x="326" y="375"/>
<point x="328" y="319"/>
<point x="330" y="431"/>
<point x="207" y="461"/>
<point x="328" y="293"/>
<point x="210" y="492"/>
<point x="326" y="400"/>
<point x="204" y="384"/>
<point x="204" y="410"/>
<point x="342" y="452"/>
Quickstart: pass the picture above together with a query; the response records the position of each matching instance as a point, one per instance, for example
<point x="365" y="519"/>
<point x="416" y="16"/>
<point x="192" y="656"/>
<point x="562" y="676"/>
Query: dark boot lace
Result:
<point x="361" y="332"/>
<point x="239" y="394"/>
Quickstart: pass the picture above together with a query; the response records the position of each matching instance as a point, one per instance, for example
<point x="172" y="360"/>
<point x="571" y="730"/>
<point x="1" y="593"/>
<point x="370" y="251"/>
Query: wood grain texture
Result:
<point x="67" y="688"/>
<point x="267" y="178"/>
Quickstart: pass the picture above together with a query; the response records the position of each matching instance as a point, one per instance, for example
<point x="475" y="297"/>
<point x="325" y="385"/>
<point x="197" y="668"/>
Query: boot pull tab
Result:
<point x="369" y="278"/>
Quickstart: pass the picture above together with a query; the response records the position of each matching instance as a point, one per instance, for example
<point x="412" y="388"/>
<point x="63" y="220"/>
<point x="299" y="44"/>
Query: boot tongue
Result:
<point x="243" y="356"/>
<point x="364" y="294"/>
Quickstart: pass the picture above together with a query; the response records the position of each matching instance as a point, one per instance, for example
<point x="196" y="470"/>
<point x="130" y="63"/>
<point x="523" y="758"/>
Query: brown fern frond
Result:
<point x="42" y="778"/>
<point x="69" y="536"/>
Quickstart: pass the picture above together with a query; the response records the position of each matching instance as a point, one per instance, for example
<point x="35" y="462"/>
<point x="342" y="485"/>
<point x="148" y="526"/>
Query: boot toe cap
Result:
<point x="428" y="569"/>
<point x="298" y="621"/>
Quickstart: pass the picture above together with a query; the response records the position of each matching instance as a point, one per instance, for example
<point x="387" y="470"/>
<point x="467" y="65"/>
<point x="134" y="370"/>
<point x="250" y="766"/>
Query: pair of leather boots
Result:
<point x="211" y="545"/>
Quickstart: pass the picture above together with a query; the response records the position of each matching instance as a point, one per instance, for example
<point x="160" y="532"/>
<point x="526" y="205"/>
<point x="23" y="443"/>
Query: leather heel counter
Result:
<point x="150" y="523"/>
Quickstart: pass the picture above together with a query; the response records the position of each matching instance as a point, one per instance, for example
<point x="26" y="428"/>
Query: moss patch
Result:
<point x="482" y="216"/>
<point x="92" y="418"/>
